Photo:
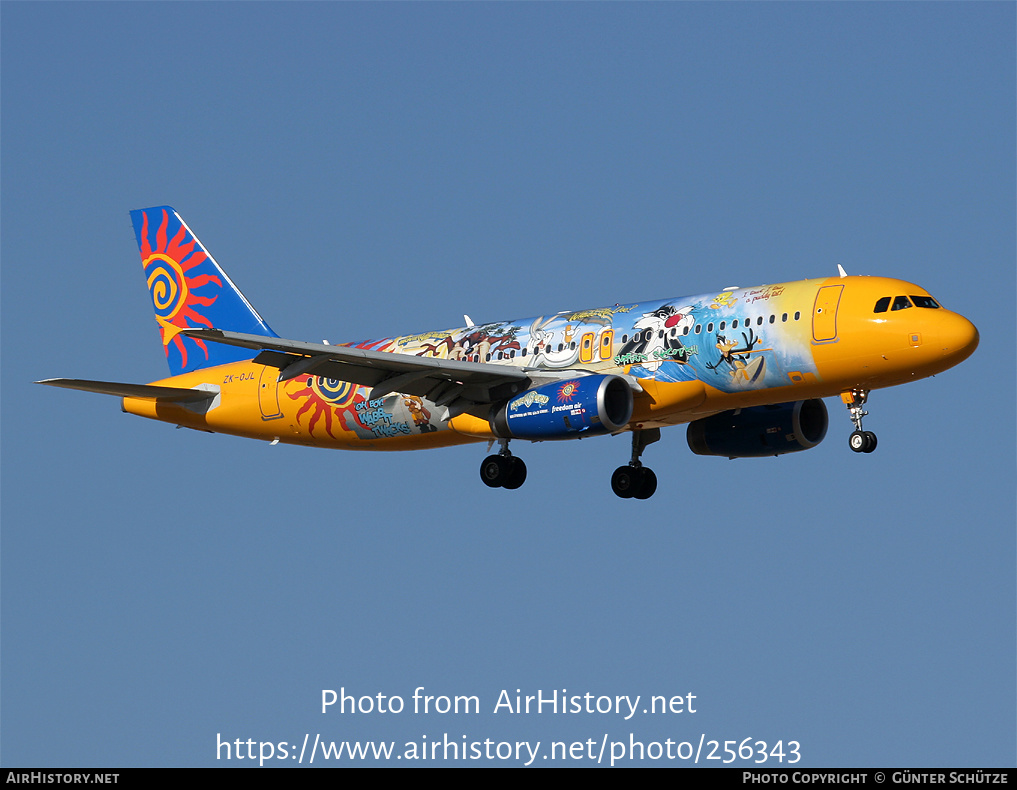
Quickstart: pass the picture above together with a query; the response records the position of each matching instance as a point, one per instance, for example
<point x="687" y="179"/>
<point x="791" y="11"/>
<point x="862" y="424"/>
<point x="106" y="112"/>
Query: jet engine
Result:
<point x="759" y="431"/>
<point x="567" y="409"/>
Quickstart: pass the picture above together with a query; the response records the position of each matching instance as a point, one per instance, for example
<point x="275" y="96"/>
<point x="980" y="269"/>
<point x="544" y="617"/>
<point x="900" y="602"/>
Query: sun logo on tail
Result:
<point x="169" y="265"/>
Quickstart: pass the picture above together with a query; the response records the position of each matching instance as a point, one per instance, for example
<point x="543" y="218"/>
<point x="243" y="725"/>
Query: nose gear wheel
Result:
<point x="860" y="441"/>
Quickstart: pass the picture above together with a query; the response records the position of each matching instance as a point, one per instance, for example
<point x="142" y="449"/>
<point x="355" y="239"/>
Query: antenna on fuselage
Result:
<point x="841" y="270"/>
<point x="468" y="320"/>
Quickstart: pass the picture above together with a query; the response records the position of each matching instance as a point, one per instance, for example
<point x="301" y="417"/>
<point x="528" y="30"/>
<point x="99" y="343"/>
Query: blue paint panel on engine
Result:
<point x="587" y="405"/>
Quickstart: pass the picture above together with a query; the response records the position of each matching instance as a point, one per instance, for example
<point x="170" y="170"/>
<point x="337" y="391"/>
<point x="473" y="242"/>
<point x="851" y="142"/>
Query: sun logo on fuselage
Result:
<point x="323" y="396"/>
<point x="168" y="266"/>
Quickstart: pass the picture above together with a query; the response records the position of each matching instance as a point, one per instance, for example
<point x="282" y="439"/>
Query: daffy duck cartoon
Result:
<point x="741" y="369"/>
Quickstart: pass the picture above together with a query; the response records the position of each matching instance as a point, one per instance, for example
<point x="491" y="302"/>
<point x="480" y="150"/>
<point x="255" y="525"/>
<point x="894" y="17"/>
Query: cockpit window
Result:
<point x="882" y="305"/>
<point x="901" y="303"/>
<point x="924" y="301"/>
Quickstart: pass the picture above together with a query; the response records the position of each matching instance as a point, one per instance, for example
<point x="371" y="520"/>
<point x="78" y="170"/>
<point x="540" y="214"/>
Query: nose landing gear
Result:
<point x="503" y="470"/>
<point x="860" y="441"/>
<point x="636" y="481"/>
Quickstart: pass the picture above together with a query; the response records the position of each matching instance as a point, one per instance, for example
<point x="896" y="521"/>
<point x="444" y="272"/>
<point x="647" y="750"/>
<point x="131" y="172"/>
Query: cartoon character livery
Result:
<point x="746" y="368"/>
<point x="657" y="337"/>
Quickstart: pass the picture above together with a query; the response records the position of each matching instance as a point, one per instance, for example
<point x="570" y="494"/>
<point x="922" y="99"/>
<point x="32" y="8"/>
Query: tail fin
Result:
<point x="188" y="289"/>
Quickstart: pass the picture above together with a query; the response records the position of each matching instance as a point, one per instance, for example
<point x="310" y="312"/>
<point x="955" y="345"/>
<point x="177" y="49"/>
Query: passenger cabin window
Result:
<point x="901" y="303"/>
<point x="882" y="305"/>
<point x="924" y="301"/>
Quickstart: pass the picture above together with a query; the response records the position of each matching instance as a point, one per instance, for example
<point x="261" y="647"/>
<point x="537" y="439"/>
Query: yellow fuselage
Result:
<point x="813" y="339"/>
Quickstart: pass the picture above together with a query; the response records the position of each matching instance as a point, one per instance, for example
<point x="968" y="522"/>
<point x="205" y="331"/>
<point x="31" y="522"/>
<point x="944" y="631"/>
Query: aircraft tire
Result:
<point x="870" y="442"/>
<point x="517" y="474"/>
<point x="495" y="470"/>
<point x="624" y="481"/>
<point x="857" y="441"/>
<point x="647" y="483"/>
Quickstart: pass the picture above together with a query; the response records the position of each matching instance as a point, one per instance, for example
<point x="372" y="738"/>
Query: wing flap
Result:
<point x="383" y="371"/>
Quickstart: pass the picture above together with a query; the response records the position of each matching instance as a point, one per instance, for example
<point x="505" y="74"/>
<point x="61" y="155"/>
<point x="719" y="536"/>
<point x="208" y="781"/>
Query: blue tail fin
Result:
<point x="188" y="289"/>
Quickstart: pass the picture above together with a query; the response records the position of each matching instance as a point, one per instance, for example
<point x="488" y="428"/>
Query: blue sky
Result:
<point x="364" y="170"/>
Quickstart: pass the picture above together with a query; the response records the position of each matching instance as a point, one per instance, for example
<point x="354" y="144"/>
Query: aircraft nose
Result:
<point x="958" y="337"/>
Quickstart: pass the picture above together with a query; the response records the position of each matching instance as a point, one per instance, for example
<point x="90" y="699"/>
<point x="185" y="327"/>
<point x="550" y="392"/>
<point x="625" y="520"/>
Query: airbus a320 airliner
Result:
<point x="745" y="368"/>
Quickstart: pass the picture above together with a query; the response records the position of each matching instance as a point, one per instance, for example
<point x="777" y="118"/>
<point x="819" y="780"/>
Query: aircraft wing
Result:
<point x="443" y="381"/>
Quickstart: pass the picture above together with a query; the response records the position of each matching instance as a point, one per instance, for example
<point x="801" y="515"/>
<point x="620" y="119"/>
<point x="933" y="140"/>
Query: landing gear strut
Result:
<point x="860" y="441"/>
<point x="503" y="470"/>
<point x="636" y="481"/>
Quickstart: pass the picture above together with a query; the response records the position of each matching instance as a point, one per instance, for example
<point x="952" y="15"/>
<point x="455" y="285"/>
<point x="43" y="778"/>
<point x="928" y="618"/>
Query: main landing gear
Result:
<point x="503" y="470"/>
<point x="860" y="441"/>
<point x="636" y="481"/>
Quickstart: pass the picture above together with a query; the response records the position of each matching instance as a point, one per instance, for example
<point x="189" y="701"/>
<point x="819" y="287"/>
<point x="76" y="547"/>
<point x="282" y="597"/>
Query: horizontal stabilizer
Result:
<point x="147" y="391"/>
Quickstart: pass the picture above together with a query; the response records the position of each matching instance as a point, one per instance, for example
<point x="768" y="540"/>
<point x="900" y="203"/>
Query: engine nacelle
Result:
<point x="568" y="409"/>
<point x="760" y="431"/>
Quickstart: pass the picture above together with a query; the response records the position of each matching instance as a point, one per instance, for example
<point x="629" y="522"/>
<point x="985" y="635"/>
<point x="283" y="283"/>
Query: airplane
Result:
<point x="745" y="369"/>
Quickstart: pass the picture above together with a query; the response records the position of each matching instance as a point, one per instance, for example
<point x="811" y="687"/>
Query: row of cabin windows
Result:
<point x="710" y="326"/>
<point x="648" y="334"/>
<point x="747" y="323"/>
<point x="903" y="303"/>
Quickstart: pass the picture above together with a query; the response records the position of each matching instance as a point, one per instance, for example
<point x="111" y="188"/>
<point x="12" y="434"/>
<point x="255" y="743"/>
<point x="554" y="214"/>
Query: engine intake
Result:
<point x="568" y="409"/>
<point x="760" y="431"/>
